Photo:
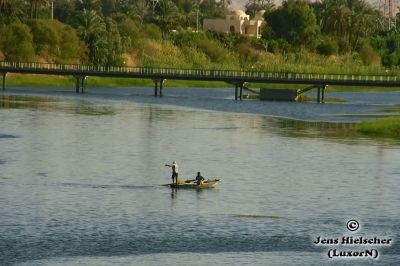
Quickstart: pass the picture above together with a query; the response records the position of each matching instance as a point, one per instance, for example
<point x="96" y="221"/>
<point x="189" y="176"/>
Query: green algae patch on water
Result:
<point x="391" y="109"/>
<point x="385" y="127"/>
<point x="306" y="98"/>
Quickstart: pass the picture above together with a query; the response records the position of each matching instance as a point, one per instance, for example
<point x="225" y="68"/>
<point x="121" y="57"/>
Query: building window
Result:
<point x="232" y="29"/>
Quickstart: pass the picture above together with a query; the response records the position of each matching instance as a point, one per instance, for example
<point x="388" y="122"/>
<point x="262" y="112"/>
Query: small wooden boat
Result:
<point x="210" y="183"/>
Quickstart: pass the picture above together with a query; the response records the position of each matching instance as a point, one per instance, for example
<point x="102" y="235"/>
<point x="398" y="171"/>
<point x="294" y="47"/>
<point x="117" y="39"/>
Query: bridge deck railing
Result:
<point x="90" y="69"/>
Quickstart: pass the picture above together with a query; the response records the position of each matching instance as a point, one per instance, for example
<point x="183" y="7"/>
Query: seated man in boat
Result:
<point x="199" y="179"/>
<point x="175" y="169"/>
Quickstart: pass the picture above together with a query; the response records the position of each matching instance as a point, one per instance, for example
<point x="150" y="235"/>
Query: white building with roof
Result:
<point x="236" y="22"/>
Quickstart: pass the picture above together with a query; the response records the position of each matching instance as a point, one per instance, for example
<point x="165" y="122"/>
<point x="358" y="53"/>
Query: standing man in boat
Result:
<point x="175" y="170"/>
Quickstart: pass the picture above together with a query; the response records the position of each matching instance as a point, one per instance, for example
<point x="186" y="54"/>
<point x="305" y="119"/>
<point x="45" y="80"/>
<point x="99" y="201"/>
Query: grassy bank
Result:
<point x="328" y="89"/>
<point x="19" y="80"/>
<point x="388" y="127"/>
<point x="385" y="127"/>
<point x="135" y="82"/>
<point x="30" y="80"/>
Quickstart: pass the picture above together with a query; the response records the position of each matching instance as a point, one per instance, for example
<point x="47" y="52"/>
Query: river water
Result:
<point x="81" y="179"/>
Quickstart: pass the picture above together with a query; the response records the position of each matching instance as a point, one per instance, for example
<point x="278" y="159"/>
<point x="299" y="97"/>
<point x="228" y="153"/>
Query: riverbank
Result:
<point x="33" y="80"/>
<point x="388" y="127"/>
<point x="329" y="88"/>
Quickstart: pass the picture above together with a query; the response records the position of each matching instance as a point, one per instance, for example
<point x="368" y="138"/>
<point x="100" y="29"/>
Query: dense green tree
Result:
<point x="188" y="39"/>
<point x="327" y="46"/>
<point x="72" y="49"/>
<point x="65" y="11"/>
<point x="278" y="46"/>
<point x="294" y="22"/>
<point x="105" y="29"/>
<point x="56" y="42"/>
<point x="46" y="38"/>
<point x="129" y="32"/>
<point x="108" y="7"/>
<point x="388" y="46"/>
<point x="368" y="55"/>
<point x="17" y="43"/>
<point x="151" y="31"/>
<point x="213" y="9"/>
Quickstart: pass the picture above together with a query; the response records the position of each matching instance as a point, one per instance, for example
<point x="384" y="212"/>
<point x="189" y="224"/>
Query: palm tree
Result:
<point x="363" y="22"/>
<point x="253" y="6"/>
<point x="138" y="10"/>
<point x="12" y="9"/>
<point x="34" y="7"/>
<point x="4" y="3"/>
<point x="167" y="16"/>
<point x="89" y="4"/>
<point x="5" y="6"/>
<point x="92" y="29"/>
<point x="189" y="11"/>
<point x="347" y="20"/>
<point x="334" y="17"/>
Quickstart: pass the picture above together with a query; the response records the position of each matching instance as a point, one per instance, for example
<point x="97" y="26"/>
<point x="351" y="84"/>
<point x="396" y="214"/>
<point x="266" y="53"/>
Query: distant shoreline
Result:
<point x="34" y="80"/>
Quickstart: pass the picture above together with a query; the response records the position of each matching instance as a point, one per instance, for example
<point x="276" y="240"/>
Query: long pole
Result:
<point x="52" y="9"/>
<point x="197" y="20"/>
<point x="197" y="15"/>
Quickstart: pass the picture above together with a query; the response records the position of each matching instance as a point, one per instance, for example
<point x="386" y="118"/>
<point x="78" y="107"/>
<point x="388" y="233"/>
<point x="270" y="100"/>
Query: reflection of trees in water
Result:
<point x="298" y="124"/>
<point x="24" y="101"/>
<point x="298" y="128"/>
<point x="47" y="103"/>
<point x="87" y="108"/>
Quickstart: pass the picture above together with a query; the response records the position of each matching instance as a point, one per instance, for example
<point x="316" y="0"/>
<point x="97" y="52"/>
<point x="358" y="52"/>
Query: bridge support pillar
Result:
<point x="77" y="85"/>
<point x="4" y="74"/>
<point x="161" y="86"/>
<point x="321" y="93"/>
<point x="238" y="90"/>
<point x="156" y="82"/>
<point x="80" y="83"/>
<point x="155" y="87"/>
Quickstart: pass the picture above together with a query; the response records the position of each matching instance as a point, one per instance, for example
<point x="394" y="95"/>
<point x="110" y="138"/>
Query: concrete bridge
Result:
<point x="235" y="77"/>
